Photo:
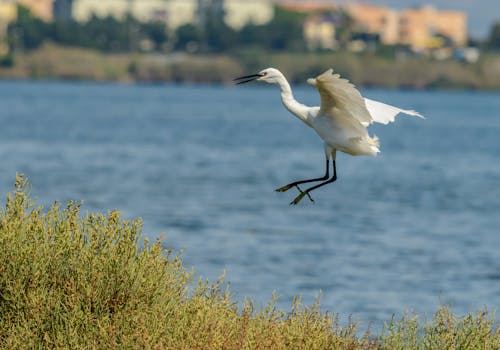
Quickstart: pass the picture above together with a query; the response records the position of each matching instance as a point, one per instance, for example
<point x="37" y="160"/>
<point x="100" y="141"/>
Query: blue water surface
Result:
<point x="416" y="226"/>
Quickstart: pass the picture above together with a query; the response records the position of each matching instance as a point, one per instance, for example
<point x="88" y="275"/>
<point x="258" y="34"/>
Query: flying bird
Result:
<point x="341" y="120"/>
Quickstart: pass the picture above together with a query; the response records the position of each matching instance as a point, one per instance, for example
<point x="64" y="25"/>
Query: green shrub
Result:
<point x="7" y="60"/>
<point x="68" y="281"/>
<point x="73" y="282"/>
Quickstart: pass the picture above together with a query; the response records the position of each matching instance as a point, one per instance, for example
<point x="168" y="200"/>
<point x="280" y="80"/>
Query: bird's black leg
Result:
<point x="297" y="183"/>
<point x="306" y="192"/>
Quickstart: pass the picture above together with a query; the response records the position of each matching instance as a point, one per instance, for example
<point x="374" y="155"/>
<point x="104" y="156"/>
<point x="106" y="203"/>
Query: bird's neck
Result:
<point x="290" y="103"/>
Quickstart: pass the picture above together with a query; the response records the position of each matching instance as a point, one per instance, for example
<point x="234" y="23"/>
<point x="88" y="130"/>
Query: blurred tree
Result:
<point x="252" y="35"/>
<point x="23" y="14"/>
<point x="29" y="32"/>
<point x="218" y="36"/>
<point x="494" y="37"/>
<point x="345" y="27"/>
<point x="188" y="37"/>
<point x="7" y="60"/>
<point x="156" y="32"/>
<point x="285" y="31"/>
<point x="67" y="32"/>
<point x="105" y="34"/>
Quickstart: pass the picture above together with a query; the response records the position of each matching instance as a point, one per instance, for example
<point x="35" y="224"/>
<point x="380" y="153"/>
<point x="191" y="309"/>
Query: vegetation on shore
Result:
<point x="57" y="62"/>
<point x="68" y="281"/>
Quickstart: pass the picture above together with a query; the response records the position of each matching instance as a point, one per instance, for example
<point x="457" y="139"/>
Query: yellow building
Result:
<point x="319" y="32"/>
<point x="319" y="27"/>
<point x="42" y="9"/>
<point x="376" y="20"/>
<point x="238" y="13"/>
<point x="8" y="13"/>
<point x="83" y="10"/>
<point x="307" y="6"/>
<point x="173" y="12"/>
<point x="420" y="27"/>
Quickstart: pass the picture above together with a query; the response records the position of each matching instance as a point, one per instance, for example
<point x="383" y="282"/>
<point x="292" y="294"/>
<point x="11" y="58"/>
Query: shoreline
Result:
<point x="52" y="62"/>
<point x="227" y="84"/>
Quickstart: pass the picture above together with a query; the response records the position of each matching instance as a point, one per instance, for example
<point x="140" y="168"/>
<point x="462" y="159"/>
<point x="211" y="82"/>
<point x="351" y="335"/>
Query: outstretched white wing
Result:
<point x="339" y="93"/>
<point x="384" y="114"/>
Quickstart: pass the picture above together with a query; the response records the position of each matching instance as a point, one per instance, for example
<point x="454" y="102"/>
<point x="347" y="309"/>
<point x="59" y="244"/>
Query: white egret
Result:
<point x="341" y="121"/>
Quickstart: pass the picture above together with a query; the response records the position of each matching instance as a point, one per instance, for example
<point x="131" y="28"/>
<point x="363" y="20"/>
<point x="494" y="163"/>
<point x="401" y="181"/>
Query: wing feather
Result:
<point x="384" y="114"/>
<point x="340" y="94"/>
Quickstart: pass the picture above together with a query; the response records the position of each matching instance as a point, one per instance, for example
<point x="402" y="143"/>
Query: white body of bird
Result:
<point x="341" y="120"/>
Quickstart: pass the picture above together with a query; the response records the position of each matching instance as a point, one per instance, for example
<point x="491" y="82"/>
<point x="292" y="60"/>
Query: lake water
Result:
<point x="416" y="226"/>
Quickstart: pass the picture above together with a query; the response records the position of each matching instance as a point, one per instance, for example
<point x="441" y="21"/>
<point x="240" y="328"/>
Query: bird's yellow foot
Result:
<point x="299" y="198"/>
<point x="284" y="188"/>
<point x="307" y="193"/>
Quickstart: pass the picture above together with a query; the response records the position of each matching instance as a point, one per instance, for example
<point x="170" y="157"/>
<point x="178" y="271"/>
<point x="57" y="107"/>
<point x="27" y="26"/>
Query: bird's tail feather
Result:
<point x="364" y="145"/>
<point x="374" y="144"/>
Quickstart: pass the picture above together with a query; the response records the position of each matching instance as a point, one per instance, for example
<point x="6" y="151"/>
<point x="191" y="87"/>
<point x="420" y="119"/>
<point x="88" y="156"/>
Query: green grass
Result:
<point x="83" y="282"/>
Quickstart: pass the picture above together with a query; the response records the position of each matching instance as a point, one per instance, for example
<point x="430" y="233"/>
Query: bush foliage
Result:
<point x="73" y="281"/>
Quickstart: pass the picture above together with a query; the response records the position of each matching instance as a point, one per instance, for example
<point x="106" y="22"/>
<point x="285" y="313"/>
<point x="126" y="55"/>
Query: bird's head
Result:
<point x="268" y="75"/>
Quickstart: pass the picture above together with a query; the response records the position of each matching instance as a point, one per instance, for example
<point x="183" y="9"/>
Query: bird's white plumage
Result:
<point x="343" y="116"/>
<point x="384" y="114"/>
<point x="340" y="96"/>
<point x="341" y="121"/>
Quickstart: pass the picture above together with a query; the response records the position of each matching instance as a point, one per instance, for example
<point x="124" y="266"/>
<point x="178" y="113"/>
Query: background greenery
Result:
<point x="128" y="50"/>
<point x="282" y="33"/>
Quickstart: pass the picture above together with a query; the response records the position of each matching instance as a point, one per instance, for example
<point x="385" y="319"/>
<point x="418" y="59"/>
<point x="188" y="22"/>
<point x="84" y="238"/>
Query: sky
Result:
<point x="481" y="13"/>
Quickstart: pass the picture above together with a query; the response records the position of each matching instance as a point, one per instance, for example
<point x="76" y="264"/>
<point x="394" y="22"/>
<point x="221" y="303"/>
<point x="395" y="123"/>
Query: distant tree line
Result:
<point x="109" y="34"/>
<point x="283" y="33"/>
<point x="104" y="34"/>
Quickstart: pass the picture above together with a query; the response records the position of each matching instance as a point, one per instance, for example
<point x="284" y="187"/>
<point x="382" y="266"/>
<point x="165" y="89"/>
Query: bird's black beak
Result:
<point x="247" y="78"/>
